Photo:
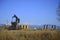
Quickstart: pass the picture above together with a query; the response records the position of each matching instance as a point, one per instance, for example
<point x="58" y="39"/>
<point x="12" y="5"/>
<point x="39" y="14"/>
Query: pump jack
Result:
<point x="14" y="24"/>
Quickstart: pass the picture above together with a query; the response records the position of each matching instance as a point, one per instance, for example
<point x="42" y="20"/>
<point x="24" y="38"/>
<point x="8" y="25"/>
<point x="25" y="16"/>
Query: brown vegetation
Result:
<point x="29" y="34"/>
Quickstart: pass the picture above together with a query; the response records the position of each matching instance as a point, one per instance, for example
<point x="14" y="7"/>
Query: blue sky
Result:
<point x="29" y="11"/>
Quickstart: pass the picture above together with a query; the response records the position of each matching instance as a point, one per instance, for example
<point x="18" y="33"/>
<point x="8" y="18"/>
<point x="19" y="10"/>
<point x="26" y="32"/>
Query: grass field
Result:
<point x="29" y="35"/>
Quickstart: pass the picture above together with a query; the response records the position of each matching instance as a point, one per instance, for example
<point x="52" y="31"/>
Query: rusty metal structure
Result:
<point x="49" y="27"/>
<point x="45" y="27"/>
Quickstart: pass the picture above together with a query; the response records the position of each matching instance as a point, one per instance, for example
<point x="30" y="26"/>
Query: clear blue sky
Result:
<point x="29" y="11"/>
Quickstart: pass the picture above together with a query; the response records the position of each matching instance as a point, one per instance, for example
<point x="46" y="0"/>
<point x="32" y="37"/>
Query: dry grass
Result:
<point x="29" y="35"/>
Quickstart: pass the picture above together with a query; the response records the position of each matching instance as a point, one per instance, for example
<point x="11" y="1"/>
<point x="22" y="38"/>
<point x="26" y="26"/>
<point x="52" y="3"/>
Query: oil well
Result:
<point x="15" y="26"/>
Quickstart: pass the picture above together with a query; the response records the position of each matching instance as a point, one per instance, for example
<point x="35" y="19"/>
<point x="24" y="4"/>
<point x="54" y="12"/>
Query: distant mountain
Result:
<point x="40" y="26"/>
<point x="35" y="26"/>
<point x="58" y="27"/>
<point x="2" y="24"/>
